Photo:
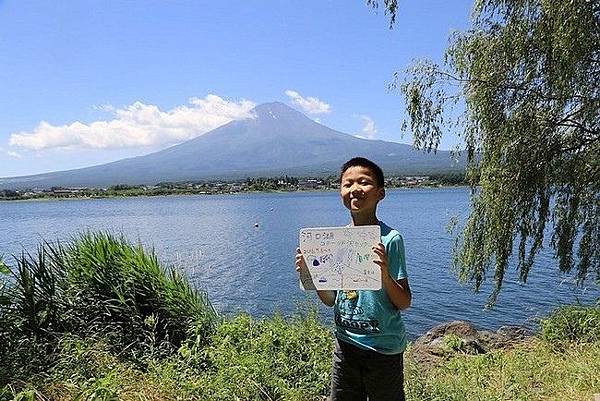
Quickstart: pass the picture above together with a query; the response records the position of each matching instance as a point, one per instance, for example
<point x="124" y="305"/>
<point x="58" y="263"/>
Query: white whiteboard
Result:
<point x="340" y="258"/>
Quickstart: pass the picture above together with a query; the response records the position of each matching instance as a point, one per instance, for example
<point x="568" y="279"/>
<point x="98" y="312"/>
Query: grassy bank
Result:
<point x="101" y="319"/>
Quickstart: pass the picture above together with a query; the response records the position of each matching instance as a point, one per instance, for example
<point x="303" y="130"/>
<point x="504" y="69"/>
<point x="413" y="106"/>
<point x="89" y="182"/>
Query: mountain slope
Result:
<point x="279" y="140"/>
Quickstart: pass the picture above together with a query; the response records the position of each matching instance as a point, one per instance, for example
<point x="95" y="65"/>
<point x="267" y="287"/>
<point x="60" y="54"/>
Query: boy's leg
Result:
<point x="346" y="376"/>
<point x="384" y="377"/>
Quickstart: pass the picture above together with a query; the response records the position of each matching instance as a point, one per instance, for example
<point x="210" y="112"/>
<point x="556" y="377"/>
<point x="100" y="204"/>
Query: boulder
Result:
<point x="462" y="337"/>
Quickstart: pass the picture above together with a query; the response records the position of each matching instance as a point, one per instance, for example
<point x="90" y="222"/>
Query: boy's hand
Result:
<point x="382" y="260"/>
<point x="300" y="262"/>
<point x="398" y="291"/>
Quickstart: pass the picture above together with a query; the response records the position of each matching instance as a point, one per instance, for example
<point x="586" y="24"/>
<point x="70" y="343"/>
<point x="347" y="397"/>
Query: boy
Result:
<point x="368" y="357"/>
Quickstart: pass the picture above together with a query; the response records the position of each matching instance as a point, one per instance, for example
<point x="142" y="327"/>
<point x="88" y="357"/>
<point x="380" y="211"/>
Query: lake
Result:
<point x="240" y="249"/>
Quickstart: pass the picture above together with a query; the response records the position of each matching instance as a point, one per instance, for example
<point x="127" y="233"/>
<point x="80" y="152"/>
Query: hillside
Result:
<point x="278" y="140"/>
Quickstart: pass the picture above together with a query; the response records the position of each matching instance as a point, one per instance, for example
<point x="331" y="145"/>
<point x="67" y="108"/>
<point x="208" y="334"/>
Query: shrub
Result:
<point x="274" y="358"/>
<point x="122" y="291"/>
<point x="30" y="312"/>
<point x="453" y="343"/>
<point x="286" y="359"/>
<point x="529" y="371"/>
<point x="574" y="323"/>
<point x="96" y="286"/>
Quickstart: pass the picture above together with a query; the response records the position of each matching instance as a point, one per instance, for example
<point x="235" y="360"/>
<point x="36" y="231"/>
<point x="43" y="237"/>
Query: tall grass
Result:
<point x="98" y="318"/>
<point x="248" y="359"/>
<point x="573" y="323"/>
<point x="31" y="312"/>
<point x="560" y="363"/>
<point x="5" y="302"/>
<point x="269" y="359"/>
<point x="529" y="371"/>
<point x="289" y="359"/>
<point x="118" y="289"/>
<point x="97" y="285"/>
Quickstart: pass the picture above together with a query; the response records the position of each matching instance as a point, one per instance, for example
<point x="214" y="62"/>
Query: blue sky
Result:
<point x="88" y="82"/>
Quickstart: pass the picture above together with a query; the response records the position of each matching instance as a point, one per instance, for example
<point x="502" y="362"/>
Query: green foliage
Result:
<point x="521" y="89"/>
<point x="123" y="187"/>
<point x="275" y="358"/>
<point x="532" y="371"/>
<point x="289" y="359"/>
<point x="281" y="183"/>
<point x="52" y="349"/>
<point x="59" y="344"/>
<point x="390" y="7"/>
<point x="97" y="285"/>
<point x="561" y="363"/>
<point x="453" y="343"/>
<point x="449" y="178"/>
<point x="573" y="323"/>
<point x="8" y="194"/>
<point x="117" y="288"/>
<point x="4" y="269"/>
<point x="4" y="273"/>
<point x="270" y="359"/>
<point x="5" y="302"/>
<point x="35" y="293"/>
<point x="30" y="312"/>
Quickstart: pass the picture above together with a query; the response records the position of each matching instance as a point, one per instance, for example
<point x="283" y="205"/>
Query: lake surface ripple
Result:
<point x="240" y="249"/>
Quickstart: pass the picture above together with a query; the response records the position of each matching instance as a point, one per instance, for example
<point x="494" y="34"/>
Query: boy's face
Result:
<point x="359" y="190"/>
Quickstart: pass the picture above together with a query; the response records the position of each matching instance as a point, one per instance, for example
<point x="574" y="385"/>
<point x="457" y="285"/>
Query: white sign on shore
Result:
<point x="340" y="258"/>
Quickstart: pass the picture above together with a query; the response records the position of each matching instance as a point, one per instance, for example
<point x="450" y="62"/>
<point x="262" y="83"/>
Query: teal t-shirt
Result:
<point x="370" y="321"/>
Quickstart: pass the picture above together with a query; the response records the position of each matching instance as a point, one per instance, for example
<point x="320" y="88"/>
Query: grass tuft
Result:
<point x="533" y="371"/>
<point x="573" y="323"/>
<point x="120" y="290"/>
<point x="98" y="285"/>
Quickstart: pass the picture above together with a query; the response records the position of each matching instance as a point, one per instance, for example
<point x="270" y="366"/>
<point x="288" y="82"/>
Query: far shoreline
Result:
<point x="46" y="198"/>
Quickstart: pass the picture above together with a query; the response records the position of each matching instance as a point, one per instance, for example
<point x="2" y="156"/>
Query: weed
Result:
<point x="453" y="343"/>
<point x="97" y="285"/>
<point x="574" y="323"/>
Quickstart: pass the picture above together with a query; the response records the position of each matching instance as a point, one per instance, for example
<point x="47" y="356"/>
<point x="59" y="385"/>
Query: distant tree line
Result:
<point x="250" y="184"/>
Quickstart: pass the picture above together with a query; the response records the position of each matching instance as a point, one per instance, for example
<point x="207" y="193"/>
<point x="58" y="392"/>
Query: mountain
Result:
<point x="278" y="140"/>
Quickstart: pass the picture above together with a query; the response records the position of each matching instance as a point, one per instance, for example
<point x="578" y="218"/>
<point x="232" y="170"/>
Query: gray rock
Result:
<point x="448" y="339"/>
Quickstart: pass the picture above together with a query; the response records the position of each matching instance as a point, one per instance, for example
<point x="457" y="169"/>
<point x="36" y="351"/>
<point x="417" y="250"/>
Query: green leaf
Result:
<point x="4" y="268"/>
<point x="521" y="86"/>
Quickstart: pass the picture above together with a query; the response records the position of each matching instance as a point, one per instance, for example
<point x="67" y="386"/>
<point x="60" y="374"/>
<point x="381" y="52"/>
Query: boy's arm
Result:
<point x="397" y="290"/>
<point x="326" y="296"/>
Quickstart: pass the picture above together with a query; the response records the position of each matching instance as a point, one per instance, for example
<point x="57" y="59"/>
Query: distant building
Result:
<point x="69" y="190"/>
<point x="416" y="180"/>
<point x="310" y="183"/>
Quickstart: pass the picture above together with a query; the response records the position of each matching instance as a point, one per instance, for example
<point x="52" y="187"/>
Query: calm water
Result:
<point x="247" y="268"/>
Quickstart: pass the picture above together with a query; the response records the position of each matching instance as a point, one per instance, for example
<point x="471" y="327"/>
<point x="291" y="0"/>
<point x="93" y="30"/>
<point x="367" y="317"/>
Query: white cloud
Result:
<point x="369" y="129"/>
<point x="14" y="154"/>
<point x="136" y="125"/>
<point x="10" y="153"/>
<point x="311" y="105"/>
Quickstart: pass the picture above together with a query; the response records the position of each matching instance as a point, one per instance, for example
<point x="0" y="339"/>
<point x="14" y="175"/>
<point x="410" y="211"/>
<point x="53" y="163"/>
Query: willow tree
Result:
<point x="522" y="89"/>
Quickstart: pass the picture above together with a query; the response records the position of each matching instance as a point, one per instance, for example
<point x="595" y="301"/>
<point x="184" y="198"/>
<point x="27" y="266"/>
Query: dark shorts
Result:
<point x="359" y="375"/>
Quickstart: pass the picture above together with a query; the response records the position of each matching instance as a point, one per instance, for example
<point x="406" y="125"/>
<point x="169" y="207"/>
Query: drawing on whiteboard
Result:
<point x="340" y="258"/>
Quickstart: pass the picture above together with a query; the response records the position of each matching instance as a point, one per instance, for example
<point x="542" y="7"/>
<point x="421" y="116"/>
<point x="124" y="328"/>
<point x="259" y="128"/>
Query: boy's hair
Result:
<point x="363" y="162"/>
